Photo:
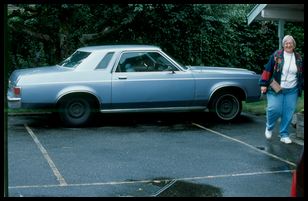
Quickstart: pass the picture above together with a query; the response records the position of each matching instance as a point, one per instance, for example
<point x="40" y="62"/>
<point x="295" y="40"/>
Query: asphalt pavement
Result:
<point x="148" y="155"/>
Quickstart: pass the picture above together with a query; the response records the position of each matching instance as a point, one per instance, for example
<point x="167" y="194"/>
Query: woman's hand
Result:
<point x="263" y="90"/>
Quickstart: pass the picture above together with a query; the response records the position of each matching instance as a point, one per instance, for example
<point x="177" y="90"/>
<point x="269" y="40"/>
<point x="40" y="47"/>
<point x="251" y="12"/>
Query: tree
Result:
<point x="194" y="34"/>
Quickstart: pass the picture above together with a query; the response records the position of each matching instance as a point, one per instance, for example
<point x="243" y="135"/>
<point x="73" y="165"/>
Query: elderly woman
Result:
<point x="282" y="81"/>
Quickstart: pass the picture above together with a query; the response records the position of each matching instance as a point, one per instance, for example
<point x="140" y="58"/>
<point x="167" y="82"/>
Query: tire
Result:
<point x="226" y="106"/>
<point x="75" y="111"/>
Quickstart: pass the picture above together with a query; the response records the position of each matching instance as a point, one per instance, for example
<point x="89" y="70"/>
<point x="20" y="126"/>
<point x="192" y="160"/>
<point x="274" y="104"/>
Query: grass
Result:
<point x="259" y="108"/>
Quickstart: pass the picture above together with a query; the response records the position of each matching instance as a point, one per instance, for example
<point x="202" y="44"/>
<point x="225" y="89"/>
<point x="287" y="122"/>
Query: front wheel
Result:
<point x="226" y="106"/>
<point x="75" y="111"/>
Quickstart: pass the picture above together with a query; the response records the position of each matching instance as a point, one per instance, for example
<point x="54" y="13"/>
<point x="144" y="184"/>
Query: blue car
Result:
<point x="130" y="78"/>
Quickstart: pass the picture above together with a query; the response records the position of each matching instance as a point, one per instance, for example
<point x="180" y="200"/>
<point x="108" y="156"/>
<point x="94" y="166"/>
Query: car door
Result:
<point x="149" y="80"/>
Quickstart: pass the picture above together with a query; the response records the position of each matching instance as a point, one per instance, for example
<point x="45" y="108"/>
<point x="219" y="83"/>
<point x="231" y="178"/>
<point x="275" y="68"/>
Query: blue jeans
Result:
<point x="281" y="105"/>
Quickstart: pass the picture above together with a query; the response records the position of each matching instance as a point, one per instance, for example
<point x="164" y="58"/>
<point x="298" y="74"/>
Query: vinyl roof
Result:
<point x="118" y="47"/>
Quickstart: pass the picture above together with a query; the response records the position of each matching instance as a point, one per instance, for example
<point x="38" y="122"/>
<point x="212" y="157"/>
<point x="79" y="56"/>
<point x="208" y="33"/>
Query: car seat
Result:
<point x="129" y="68"/>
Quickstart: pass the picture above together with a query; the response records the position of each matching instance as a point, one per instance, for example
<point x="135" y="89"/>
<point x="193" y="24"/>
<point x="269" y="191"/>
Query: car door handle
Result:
<point x="122" y="77"/>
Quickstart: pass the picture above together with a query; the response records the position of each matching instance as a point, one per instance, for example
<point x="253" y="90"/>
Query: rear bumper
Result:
<point x="13" y="102"/>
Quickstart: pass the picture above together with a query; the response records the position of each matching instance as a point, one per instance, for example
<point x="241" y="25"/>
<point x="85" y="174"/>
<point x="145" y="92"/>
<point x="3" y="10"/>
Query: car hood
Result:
<point x="17" y="74"/>
<point x="219" y="70"/>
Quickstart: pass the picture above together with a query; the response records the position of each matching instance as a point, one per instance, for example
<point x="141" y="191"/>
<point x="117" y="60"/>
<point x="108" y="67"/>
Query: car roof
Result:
<point x="118" y="47"/>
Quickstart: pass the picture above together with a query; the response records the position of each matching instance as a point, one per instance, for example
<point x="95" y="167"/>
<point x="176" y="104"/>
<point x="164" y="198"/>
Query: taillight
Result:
<point x="17" y="91"/>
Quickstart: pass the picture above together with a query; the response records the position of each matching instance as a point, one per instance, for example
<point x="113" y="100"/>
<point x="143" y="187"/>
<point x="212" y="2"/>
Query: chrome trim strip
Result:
<point x="163" y="109"/>
<point x="10" y="99"/>
<point x="156" y="79"/>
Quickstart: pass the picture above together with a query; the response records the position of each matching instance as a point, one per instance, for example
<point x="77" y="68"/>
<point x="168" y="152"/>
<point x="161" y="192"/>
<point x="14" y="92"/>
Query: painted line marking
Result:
<point x="164" y="188"/>
<point x="149" y="181"/>
<point x="244" y="143"/>
<point x="47" y="157"/>
<point x="63" y="182"/>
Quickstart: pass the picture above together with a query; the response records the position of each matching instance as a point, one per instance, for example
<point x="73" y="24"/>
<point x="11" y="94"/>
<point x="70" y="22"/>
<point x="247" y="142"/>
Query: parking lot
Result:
<point x="150" y="155"/>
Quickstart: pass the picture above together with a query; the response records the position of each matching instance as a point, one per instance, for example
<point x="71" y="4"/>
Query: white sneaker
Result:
<point x="286" y="140"/>
<point x="268" y="134"/>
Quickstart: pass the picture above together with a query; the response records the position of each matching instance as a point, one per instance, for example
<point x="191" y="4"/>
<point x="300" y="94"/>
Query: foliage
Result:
<point x="194" y="34"/>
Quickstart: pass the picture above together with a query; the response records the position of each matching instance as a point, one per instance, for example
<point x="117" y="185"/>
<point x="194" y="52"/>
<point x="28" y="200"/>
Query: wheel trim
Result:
<point x="227" y="107"/>
<point x="76" y="109"/>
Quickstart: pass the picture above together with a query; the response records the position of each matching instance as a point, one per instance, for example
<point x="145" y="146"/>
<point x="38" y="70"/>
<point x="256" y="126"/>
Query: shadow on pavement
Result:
<point x="134" y="119"/>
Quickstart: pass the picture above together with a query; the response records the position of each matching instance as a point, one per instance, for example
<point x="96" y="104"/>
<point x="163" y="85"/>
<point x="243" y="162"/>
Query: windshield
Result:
<point x="75" y="59"/>
<point x="183" y="66"/>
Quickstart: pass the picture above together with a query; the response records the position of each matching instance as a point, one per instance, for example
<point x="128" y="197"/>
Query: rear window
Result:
<point x="105" y="61"/>
<point x="75" y="59"/>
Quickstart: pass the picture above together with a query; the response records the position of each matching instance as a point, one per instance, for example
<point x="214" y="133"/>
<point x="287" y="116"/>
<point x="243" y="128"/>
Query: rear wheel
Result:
<point x="226" y="106"/>
<point x="75" y="111"/>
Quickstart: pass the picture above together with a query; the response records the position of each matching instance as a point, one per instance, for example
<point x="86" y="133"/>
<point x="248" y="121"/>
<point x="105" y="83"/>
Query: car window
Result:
<point x="75" y="59"/>
<point x="105" y="61"/>
<point x="144" y="62"/>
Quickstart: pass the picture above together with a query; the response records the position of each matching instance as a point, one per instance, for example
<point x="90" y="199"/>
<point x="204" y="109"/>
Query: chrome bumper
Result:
<point x="13" y="102"/>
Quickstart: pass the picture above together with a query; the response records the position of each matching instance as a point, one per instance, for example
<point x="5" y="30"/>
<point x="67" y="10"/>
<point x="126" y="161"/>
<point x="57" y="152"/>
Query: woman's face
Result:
<point x="288" y="46"/>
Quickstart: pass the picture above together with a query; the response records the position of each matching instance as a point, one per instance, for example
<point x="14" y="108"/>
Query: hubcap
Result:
<point x="227" y="107"/>
<point x="76" y="109"/>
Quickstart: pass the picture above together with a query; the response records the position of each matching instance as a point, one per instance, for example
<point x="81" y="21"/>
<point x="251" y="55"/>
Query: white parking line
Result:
<point x="244" y="143"/>
<point x="156" y="180"/>
<point x="46" y="156"/>
<point x="164" y="188"/>
<point x="63" y="183"/>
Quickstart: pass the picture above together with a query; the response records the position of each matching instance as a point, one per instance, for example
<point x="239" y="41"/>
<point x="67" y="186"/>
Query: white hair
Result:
<point x="287" y="38"/>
